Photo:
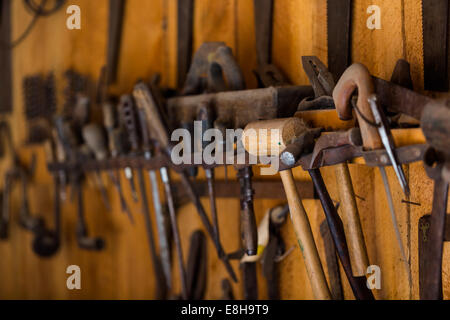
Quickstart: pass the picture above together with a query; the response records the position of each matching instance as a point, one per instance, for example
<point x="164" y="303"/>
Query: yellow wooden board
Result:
<point x="124" y="270"/>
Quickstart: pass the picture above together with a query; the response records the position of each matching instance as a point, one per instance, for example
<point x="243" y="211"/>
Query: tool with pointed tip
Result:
<point x="128" y="118"/>
<point x="95" y="140"/>
<point x="161" y="218"/>
<point x="358" y="77"/>
<point x="142" y="105"/>
<point x="388" y="142"/>
<point x="145" y="101"/>
<point x="114" y="144"/>
<point x="204" y="115"/>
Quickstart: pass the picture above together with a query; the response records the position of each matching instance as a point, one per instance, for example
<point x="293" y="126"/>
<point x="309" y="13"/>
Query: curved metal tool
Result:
<point x="374" y="130"/>
<point x="213" y="69"/>
<point x="84" y="241"/>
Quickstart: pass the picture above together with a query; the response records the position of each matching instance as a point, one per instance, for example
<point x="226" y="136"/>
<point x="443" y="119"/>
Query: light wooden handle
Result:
<point x="270" y="137"/>
<point x="305" y="238"/>
<point x="146" y="102"/>
<point x="352" y="224"/>
<point x="357" y="76"/>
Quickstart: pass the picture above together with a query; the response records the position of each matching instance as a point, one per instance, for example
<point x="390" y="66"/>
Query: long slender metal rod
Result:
<point x="159" y="274"/>
<point x="102" y="189"/>
<point x="207" y="224"/>
<point x="123" y="204"/>
<point x="212" y="200"/>
<point x="394" y="223"/>
<point x="164" y="249"/>
<point x="175" y="230"/>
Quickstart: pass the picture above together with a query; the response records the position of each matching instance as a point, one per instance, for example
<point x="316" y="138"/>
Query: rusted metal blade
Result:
<point x="184" y="39"/>
<point x="339" y="14"/>
<point x="399" y="99"/>
<point x="435" y="35"/>
<point x="263" y="30"/>
<point x="116" y="13"/>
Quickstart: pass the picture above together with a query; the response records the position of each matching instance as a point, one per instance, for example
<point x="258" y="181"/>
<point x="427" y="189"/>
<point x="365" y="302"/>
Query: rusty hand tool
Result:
<point x="323" y="84"/>
<point x="274" y="250"/>
<point x="95" y="140"/>
<point x="282" y="131"/>
<point x="68" y="137"/>
<point x="60" y="156"/>
<point x="115" y="23"/>
<point x="358" y="77"/>
<point x="249" y="230"/>
<point x="185" y="25"/>
<point x="93" y="137"/>
<point x="396" y="98"/>
<point x="146" y="102"/>
<point x="213" y="69"/>
<point x="128" y="117"/>
<point x="267" y="73"/>
<point x="332" y="262"/>
<point x="431" y="286"/>
<point x="227" y="290"/>
<point x="159" y="213"/>
<point x="197" y="266"/>
<point x="435" y="17"/>
<point x="435" y="126"/>
<point x="339" y="18"/>
<point x="114" y="144"/>
<point x="83" y="240"/>
<point x="205" y="116"/>
<point x="47" y="242"/>
<point x="235" y="109"/>
<point x="161" y="282"/>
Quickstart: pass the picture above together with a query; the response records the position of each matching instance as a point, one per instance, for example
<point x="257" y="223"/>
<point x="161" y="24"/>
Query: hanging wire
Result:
<point x="38" y="10"/>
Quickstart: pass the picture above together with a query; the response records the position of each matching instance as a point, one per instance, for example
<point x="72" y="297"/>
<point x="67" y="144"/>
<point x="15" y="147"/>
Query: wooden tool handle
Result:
<point x="271" y="137"/>
<point x="305" y="238"/>
<point x="108" y="115"/>
<point x="352" y="224"/>
<point x="95" y="140"/>
<point x="145" y="101"/>
<point x="358" y="77"/>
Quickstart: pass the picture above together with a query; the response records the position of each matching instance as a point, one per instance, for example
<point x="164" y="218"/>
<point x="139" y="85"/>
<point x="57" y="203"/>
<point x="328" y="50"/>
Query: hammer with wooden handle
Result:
<point x="269" y="138"/>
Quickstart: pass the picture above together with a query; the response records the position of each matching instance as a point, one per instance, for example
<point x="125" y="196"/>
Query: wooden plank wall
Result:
<point x="123" y="270"/>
